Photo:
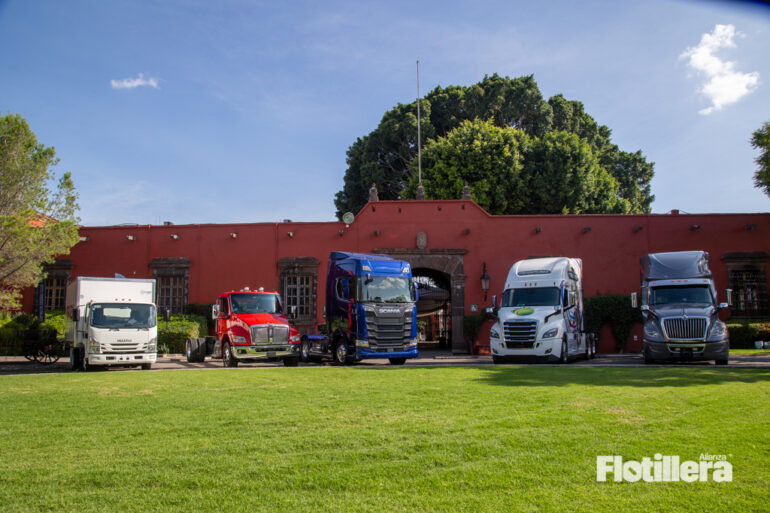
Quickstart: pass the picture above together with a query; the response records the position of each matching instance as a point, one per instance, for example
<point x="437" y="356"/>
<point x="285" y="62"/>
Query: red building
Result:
<point x="447" y="243"/>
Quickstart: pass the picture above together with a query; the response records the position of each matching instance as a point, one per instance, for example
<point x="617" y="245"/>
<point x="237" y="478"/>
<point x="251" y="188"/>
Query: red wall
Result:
<point x="610" y="250"/>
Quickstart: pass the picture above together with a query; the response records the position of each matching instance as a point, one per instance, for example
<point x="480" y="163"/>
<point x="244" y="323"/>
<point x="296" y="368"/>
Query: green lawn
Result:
<point x="493" y="439"/>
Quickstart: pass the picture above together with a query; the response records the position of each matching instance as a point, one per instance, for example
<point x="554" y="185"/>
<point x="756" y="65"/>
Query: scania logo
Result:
<point x="389" y="310"/>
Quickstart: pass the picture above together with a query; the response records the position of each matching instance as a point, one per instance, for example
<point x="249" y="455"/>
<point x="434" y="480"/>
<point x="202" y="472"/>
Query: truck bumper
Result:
<point x="698" y="351"/>
<point x="264" y="352"/>
<point x="544" y="350"/>
<point x="363" y="353"/>
<point x="121" y="359"/>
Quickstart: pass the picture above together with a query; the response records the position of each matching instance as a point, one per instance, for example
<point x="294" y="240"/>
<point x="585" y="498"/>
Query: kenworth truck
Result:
<point x="250" y="326"/>
<point x="111" y="321"/>
<point x="541" y="313"/>
<point x="370" y="309"/>
<point x="680" y="309"/>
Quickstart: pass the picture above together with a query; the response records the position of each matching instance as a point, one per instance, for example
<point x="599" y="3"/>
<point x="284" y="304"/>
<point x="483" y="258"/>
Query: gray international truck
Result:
<point x="680" y="309"/>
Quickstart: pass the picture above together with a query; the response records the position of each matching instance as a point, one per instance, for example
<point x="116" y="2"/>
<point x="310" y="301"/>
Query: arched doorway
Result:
<point x="447" y="262"/>
<point x="434" y="308"/>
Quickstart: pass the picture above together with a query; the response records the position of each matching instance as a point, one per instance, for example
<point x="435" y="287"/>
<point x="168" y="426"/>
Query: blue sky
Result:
<point x="241" y="111"/>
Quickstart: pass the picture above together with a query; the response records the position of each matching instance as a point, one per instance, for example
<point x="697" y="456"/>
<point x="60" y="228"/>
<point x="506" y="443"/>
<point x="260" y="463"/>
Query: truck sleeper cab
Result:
<point x="541" y="314"/>
<point x="680" y="309"/>
<point x="370" y="311"/>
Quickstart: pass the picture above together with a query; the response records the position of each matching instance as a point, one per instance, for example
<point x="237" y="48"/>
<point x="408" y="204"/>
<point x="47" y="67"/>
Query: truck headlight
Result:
<point x="551" y="333"/>
<point x="237" y="339"/>
<point x="493" y="333"/>
<point x="651" y="330"/>
<point x="152" y="346"/>
<point x="94" y="347"/>
<point x="362" y="343"/>
<point x="718" y="330"/>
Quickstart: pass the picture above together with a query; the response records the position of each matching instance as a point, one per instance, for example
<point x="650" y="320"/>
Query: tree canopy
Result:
<point x="36" y="223"/>
<point x="761" y="141"/>
<point x="501" y="115"/>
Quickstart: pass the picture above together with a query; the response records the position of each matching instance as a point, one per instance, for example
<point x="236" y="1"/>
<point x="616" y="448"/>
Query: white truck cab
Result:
<point x="111" y="321"/>
<point x="541" y="313"/>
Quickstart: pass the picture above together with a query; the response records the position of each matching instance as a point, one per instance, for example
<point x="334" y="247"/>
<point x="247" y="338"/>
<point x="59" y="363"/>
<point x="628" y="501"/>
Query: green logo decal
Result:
<point x="524" y="311"/>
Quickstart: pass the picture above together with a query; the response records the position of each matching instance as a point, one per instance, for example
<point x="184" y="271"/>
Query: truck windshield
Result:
<point x="545" y="296"/>
<point x="245" y="303"/>
<point x="680" y="295"/>
<point x="385" y="289"/>
<point x="122" y="315"/>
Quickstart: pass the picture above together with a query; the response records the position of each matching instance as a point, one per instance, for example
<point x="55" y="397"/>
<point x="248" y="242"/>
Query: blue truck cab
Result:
<point x="370" y="311"/>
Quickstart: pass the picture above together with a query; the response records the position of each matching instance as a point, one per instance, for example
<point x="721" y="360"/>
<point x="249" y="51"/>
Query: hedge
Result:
<point x="615" y="310"/>
<point x="743" y="333"/>
<point x="172" y="335"/>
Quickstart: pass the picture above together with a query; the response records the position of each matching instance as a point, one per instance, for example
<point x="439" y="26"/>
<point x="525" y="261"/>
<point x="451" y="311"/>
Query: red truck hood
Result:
<point x="265" y="318"/>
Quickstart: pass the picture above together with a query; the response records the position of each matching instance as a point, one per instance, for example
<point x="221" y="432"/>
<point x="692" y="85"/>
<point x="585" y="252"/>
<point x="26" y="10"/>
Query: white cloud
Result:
<point x="723" y="84"/>
<point x="132" y="83"/>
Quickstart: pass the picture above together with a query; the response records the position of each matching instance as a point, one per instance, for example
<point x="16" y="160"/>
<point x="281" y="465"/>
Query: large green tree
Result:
<point x="387" y="155"/>
<point x="761" y="141"/>
<point x="36" y="222"/>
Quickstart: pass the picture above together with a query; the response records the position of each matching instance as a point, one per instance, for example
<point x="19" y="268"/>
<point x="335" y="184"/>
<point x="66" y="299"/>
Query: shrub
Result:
<point x="743" y="333"/>
<point x="55" y="320"/>
<point x="172" y="335"/>
<point x="615" y="310"/>
<point x="203" y="310"/>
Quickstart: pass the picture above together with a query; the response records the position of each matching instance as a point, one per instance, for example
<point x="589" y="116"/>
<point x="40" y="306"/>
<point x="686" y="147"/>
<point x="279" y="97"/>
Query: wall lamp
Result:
<point x="130" y="237"/>
<point x="376" y="233"/>
<point x="174" y="236"/>
<point x="538" y="229"/>
<point x="750" y="227"/>
<point x="84" y="238"/>
<point x="695" y="227"/>
<point x="233" y="235"/>
<point x="290" y="234"/>
<point x="467" y="231"/>
<point x="485" y="281"/>
<point x="341" y="232"/>
<point x="586" y="229"/>
<point x="638" y="228"/>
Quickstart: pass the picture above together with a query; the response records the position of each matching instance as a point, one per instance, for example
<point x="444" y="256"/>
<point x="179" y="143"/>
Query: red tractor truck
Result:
<point x="250" y="325"/>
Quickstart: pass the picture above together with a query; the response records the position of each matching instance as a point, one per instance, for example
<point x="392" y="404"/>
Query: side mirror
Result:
<point x="729" y="293"/>
<point x="293" y="312"/>
<point x="75" y="314"/>
<point x="634" y="300"/>
<point x="214" y="311"/>
<point x="489" y="311"/>
<point x="494" y="301"/>
<point x="644" y="308"/>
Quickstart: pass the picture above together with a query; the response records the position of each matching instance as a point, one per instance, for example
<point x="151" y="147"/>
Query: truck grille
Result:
<point x="123" y="347"/>
<point x="389" y="331"/>
<point x="691" y="328"/>
<point x="270" y="334"/>
<point x="520" y="334"/>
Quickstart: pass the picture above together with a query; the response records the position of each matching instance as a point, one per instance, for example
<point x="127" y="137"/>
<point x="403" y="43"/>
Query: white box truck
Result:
<point x="111" y="321"/>
<point x="541" y="313"/>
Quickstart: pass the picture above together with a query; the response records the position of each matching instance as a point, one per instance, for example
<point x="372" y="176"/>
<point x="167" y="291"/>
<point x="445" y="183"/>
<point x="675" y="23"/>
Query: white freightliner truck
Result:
<point x="541" y="313"/>
<point x="111" y="322"/>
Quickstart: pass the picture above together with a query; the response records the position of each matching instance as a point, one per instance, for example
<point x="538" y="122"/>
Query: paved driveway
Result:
<point x="19" y="365"/>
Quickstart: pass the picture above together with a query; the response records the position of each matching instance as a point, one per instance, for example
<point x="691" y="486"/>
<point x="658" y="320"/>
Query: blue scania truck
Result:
<point x="371" y="311"/>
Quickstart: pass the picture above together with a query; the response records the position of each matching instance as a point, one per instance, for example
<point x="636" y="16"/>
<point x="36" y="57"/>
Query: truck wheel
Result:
<point x="304" y="350"/>
<point x="564" y="357"/>
<point x="85" y="367"/>
<point x="397" y="361"/>
<point x="200" y="350"/>
<point x="593" y="346"/>
<point x="291" y="361"/>
<point x="721" y="362"/>
<point x="76" y="361"/>
<point x="191" y="352"/>
<point x="340" y="353"/>
<point x="497" y="360"/>
<point x="227" y="356"/>
<point x="146" y="366"/>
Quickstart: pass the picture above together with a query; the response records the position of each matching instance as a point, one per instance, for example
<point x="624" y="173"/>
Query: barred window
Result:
<point x="297" y="291"/>
<point x="55" y="288"/>
<point x="746" y="276"/>
<point x="298" y="277"/>
<point x="172" y="294"/>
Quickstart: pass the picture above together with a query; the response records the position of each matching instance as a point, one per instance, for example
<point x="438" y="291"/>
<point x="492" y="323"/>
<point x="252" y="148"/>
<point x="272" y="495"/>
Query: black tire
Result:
<point x="304" y="350"/>
<point x="593" y="346"/>
<point x="227" y="356"/>
<point x="564" y="356"/>
<point x="191" y="349"/>
<point x="647" y="359"/>
<point x="340" y="353"/>
<point x="146" y="366"/>
<point x="497" y="360"/>
<point x="200" y="355"/>
<point x="85" y="367"/>
<point x="291" y="361"/>
<point x="397" y="361"/>
<point x="76" y="361"/>
<point x="587" y="340"/>
<point x="721" y="362"/>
